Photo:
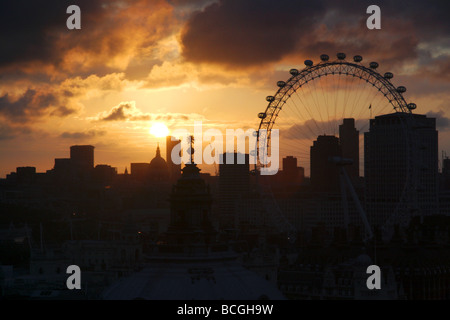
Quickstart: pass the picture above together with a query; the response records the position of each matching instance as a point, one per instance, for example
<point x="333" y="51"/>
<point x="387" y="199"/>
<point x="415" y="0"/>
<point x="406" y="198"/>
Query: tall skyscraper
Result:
<point x="174" y="169"/>
<point x="82" y="157"/>
<point x="401" y="167"/>
<point x="234" y="181"/>
<point x="349" y="140"/>
<point x="324" y="173"/>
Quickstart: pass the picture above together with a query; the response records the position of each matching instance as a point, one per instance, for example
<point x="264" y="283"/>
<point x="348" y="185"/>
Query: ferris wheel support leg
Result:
<point x="358" y="204"/>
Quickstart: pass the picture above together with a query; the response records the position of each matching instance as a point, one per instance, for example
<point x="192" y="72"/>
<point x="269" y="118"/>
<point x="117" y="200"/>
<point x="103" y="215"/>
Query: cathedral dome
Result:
<point x="158" y="169"/>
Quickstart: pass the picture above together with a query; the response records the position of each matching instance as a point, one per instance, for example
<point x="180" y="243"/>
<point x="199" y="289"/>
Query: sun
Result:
<point x="159" y="130"/>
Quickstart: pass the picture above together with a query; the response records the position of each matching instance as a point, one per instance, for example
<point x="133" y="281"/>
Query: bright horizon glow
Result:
<point x="159" y="130"/>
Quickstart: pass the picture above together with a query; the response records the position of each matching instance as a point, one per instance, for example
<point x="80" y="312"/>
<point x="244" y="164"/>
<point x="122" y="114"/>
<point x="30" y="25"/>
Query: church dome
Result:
<point x="158" y="169"/>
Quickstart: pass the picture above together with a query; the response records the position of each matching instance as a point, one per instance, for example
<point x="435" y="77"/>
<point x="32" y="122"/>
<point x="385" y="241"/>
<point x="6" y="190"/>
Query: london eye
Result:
<point x="315" y="100"/>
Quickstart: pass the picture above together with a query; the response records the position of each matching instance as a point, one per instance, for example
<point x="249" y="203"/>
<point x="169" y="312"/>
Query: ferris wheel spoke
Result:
<point x="311" y="117"/>
<point x="303" y="119"/>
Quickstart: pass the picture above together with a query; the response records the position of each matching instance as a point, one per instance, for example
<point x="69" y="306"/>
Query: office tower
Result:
<point x="401" y="167"/>
<point x="62" y="169"/>
<point x="324" y="173"/>
<point x="104" y="173"/>
<point x="25" y="174"/>
<point x="140" y="171"/>
<point x="446" y="174"/>
<point x="446" y="166"/>
<point x="234" y="181"/>
<point x="82" y="157"/>
<point x="291" y="173"/>
<point x="349" y="140"/>
<point x="290" y="164"/>
<point x="174" y="169"/>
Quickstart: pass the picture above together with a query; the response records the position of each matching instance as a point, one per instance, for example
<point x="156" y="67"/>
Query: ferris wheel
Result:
<point x="314" y="101"/>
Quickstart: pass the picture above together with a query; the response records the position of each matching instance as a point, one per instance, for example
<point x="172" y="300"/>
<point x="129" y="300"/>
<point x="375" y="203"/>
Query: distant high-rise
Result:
<point x="174" y="169"/>
<point x="400" y="167"/>
<point x="324" y="174"/>
<point x="349" y="140"/>
<point x="82" y="157"/>
<point x="291" y="173"/>
<point x="234" y="181"/>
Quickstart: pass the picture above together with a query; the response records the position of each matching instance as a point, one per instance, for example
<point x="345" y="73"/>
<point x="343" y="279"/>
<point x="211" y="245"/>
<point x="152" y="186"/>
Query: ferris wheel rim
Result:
<point x="312" y="72"/>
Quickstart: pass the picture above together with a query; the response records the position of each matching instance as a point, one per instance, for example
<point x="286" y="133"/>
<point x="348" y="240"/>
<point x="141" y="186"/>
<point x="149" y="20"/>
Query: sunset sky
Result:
<point x="137" y="62"/>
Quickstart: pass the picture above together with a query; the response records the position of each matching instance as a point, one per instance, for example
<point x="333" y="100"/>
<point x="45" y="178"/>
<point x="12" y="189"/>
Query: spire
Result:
<point x="191" y="149"/>
<point x="158" y="152"/>
<point x="126" y="171"/>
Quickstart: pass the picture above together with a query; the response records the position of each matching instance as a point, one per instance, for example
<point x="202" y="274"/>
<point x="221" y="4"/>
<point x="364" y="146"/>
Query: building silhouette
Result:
<point x="291" y="173"/>
<point x="401" y="166"/>
<point x="139" y="170"/>
<point x="82" y="157"/>
<point x="234" y="182"/>
<point x="158" y="170"/>
<point x="325" y="174"/>
<point x="189" y="263"/>
<point x="349" y="141"/>
<point x="174" y="168"/>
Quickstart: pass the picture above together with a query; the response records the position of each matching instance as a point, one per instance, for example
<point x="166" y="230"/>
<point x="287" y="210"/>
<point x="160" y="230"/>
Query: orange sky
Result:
<point x="138" y="62"/>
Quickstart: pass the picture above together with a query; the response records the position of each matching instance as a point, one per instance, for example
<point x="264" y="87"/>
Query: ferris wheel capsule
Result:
<point x="357" y="58"/>
<point x="324" y="57"/>
<point x="388" y="75"/>
<point x="294" y="72"/>
<point x="374" y="65"/>
<point x="401" y="89"/>
<point x="412" y="106"/>
<point x="262" y="115"/>
<point x="341" y="56"/>
<point x="281" y="84"/>
<point x="308" y="63"/>
<point x="270" y="98"/>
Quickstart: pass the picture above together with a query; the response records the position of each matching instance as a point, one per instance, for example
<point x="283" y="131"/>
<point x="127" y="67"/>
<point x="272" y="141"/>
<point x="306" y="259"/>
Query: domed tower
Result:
<point x="188" y="264"/>
<point x="190" y="210"/>
<point x="158" y="170"/>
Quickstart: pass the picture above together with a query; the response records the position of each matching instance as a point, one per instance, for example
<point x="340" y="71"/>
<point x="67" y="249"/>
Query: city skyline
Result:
<point x="314" y="141"/>
<point x="107" y="88"/>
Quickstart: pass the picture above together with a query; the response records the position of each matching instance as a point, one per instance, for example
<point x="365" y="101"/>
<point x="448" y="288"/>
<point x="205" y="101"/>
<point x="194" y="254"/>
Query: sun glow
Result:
<point x="159" y="130"/>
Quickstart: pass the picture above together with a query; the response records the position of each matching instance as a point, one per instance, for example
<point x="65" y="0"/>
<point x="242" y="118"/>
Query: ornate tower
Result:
<point x="190" y="210"/>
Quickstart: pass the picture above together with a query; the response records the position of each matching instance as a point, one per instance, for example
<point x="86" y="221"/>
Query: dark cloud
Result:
<point x="82" y="135"/>
<point x="117" y="113"/>
<point x="442" y="121"/>
<point x="247" y="33"/>
<point x="34" y="35"/>
<point x="124" y="111"/>
<point x="8" y="132"/>
<point x="169" y="117"/>
<point x="31" y="105"/>
<point x="29" y="29"/>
